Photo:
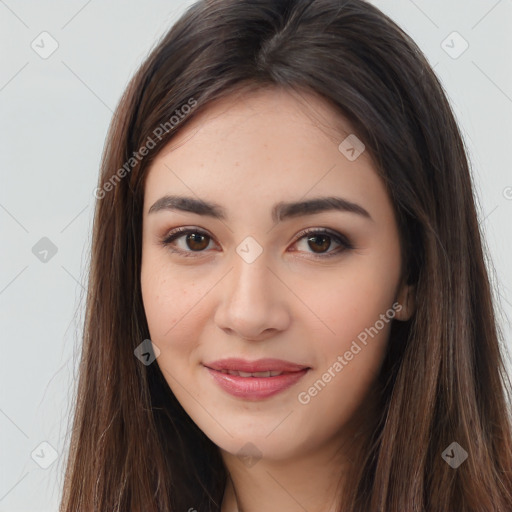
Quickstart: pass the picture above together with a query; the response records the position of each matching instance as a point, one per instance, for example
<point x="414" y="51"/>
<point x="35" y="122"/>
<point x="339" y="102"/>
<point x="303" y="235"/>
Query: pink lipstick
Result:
<point x="255" y="380"/>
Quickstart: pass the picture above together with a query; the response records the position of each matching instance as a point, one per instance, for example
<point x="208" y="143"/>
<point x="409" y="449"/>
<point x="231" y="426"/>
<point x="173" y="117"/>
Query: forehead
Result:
<point x="258" y="146"/>
<point x="266" y="112"/>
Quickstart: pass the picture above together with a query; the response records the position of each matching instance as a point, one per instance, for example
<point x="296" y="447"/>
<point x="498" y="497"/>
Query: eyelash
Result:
<point x="337" y="237"/>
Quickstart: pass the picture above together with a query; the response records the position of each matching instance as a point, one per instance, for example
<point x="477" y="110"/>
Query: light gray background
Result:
<point x="54" y="115"/>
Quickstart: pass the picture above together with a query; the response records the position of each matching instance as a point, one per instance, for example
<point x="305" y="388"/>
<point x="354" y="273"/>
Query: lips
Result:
<point x="253" y="374"/>
<point x="255" y="380"/>
<point x="261" y="365"/>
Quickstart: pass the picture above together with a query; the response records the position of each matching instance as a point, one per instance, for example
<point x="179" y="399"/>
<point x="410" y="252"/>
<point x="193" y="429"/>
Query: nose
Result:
<point x="253" y="303"/>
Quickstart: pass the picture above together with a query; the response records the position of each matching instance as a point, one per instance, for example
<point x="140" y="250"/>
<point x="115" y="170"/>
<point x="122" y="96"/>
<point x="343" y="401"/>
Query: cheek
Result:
<point x="357" y="310"/>
<point x="172" y="321"/>
<point x="347" y="366"/>
<point x="175" y="304"/>
<point x="351" y="301"/>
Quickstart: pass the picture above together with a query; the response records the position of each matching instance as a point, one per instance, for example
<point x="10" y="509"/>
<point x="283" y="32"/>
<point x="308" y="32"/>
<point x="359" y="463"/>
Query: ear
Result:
<point x="405" y="298"/>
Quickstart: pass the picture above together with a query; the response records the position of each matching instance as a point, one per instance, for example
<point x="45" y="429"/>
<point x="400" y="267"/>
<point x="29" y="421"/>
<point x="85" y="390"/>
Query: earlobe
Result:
<point x="405" y="299"/>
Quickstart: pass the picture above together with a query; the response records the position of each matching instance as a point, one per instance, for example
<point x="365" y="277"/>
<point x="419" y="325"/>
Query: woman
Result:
<point x="288" y="305"/>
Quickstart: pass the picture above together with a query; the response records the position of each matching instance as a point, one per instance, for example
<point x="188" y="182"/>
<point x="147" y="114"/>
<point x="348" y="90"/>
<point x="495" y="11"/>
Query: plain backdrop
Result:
<point x="54" y="114"/>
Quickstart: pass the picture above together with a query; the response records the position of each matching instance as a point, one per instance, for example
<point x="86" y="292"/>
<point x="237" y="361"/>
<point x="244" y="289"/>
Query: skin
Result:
<point x="246" y="155"/>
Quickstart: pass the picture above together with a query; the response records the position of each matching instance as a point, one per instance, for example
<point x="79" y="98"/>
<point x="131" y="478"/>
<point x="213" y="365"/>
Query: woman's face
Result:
<point x="247" y="283"/>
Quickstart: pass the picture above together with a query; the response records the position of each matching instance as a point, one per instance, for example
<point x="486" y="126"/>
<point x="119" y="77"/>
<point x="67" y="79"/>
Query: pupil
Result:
<point x="315" y="239"/>
<point x="195" y="238"/>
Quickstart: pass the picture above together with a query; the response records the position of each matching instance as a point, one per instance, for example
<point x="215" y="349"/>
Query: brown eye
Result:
<point x="197" y="241"/>
<point x="193" y="242"/>
<point x="187" y="241"/>
<point x="319" y="243"/>
<point x="322" y="243"/>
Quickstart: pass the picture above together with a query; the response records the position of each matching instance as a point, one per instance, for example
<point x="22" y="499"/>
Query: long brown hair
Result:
<point x="132" y="445"/>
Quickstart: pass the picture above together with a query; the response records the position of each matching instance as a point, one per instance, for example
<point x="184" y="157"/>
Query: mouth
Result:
<point x="255" y="380"/>
<point x="253" y="374"/>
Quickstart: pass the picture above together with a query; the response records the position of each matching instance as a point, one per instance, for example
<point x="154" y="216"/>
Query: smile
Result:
<point x="255" y="380"/>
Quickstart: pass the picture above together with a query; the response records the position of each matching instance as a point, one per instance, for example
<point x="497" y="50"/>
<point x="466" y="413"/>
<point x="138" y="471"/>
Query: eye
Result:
<point x="197" y="241"/>
<point x="320" y="240"/>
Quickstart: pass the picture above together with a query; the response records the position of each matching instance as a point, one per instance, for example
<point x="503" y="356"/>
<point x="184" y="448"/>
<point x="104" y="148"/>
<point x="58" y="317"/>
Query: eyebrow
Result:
<point x="281" y="211"/>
